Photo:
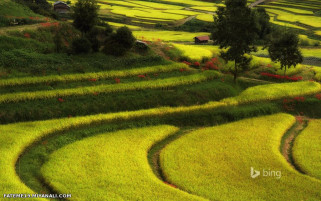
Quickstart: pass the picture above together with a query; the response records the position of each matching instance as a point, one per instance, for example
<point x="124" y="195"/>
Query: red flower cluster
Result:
<point x="49" y="24"/>
<point x="299" y="119"/>
<point x="34" y="18"/>
<point x="92" y="80"/>
<point x="299" y="98"/>
<point x="182" y="69"/>
<point x="61" y="100"/>
<point x="293" y="78"/>
<point x="215" y="60"/>
<point x="318" y="96"/>
<point x="289" y="104"/>
<point x="187" y="63"/>
<point x="269" y="66"/>
<point x="141" y="76"/>
<point x="117" y="80"/>
<point x="26" y="35"/>
<point x="197" y="64"/>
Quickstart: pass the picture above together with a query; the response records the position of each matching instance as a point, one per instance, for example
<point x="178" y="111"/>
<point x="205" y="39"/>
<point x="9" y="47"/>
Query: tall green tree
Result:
<point x="284" y="48"/>
<point x="262" y="22"/>
<point x="235" y="29"/>
<point x="85" y="15"/>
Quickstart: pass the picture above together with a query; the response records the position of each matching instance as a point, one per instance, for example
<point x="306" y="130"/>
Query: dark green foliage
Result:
<point x="58" y="41"/>
<point x="262" y="22"/>
<point x="125" y="37"/>
<point x="284" y="48"/>
<point x="81" y="45"/>
<point x="108" y="29"/>
<point x="41" y="7"/>
<point x="235" y="29"/>
<point x="85" y="15"/>
<point x="195" y="25"/>
<point x="92" y="36"/>
<point x="120" y="42"/>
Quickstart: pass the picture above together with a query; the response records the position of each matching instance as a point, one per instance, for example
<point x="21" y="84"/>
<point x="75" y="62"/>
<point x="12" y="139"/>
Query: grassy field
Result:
<point x="218" y="149"/>
<point x="167" y="35"/>
<point x="194" y="53"/>
<point x="317" y="73"/>
<point x="120" y="176"/>
<point x="162" y="83"/>
<point x="97" y="75"/>
<point x="12" y="10"/>
<point x="206" y="17"/>
<point x="156" y="124"/>
<point x="307" y="148"/>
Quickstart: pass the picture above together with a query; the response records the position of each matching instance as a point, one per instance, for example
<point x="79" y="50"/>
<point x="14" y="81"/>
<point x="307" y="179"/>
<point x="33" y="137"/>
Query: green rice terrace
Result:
<point x="150" y="100"/>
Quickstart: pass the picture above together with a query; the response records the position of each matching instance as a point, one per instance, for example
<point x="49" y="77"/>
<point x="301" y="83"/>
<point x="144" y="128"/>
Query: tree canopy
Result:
<point x="85" y="15"/>
<point x="235" y="29"/>
<point x="284" y="48"/>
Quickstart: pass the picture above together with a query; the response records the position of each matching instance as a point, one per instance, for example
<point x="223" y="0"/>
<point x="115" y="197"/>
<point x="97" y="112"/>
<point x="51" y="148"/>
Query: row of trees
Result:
<point x="237" y="28"/>
<point x="85" y="15"/>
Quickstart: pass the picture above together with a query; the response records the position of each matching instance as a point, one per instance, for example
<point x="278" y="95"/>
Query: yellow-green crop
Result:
<point x="109" y="88"/>
<point x="307" y="149"/>
<point x="111" y="166"/>
<point x="97" y="75"/>
<point x="194" y="52"/>
<point x="313" y="21"/>
<point x="276" y="91"/>
<point x="317" y="71"/>
<point x="216" y="162"/>
<point x="167" y="35"/>
<point x="211" y="9"/>
<point x="14" y="138"/>
<point x="294" y="10"/>
<point x="205" y="17"/>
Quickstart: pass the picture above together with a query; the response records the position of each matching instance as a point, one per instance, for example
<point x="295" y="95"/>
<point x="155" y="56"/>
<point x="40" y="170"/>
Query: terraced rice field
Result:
<point x="168" y="131"/>
<point x="168" y="36"/>
<point x="218" y="150"/>
<point x="307" y="148"/>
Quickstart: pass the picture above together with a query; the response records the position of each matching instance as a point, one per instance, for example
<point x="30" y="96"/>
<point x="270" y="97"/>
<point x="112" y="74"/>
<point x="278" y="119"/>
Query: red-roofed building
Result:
<point x="201" y="39"/>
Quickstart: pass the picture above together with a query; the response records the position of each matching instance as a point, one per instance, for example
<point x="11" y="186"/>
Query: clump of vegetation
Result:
<point x="41" y="7"/>
<point x="120" y="42"/>
<point x="284" y="48"/>
<point x="235" y="29"/>
<point x="81" y="45"/>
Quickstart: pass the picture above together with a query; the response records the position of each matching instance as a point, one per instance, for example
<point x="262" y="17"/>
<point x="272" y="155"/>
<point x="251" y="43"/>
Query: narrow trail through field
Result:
<point x="4" y="30"/>
<point x="183" y="21"/>
<point x="288" y="141"/>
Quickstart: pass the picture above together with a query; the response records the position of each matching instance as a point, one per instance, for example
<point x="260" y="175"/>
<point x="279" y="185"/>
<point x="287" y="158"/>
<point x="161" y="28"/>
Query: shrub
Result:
<point x="120" y="42"/>
<point x="125" y="37"/>
<point x="81" y="45"/>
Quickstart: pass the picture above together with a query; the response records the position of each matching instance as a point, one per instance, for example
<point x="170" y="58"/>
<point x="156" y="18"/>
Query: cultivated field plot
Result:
<point x="165" y="121"/>
<point x="307" y="149"/>
<point x="218" y="150"/>
<point x="295" y="14"/>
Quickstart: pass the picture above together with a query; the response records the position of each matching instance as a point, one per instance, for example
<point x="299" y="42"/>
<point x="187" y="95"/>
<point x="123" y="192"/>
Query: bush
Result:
<point x="125" y="37"/>
<point x="92" y="36"/>
<point x="112" y="47"/>
<point x="120" y="42"/>
<point x="81" y="45"/>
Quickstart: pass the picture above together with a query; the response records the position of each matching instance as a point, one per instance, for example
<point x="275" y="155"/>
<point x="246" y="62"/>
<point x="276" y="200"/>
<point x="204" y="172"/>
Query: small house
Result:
<point x="61" y="7"/>
<point x="201" y="39"/>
